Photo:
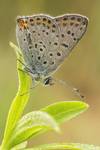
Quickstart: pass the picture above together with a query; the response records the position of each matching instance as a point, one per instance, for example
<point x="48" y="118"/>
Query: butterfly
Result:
<point x="46" y="41"/>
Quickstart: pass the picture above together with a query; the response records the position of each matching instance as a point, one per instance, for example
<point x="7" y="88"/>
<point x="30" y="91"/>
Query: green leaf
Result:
<point x="30" y="124"/>
<point x="66" y="110"/>
<point x="19" y="102"/>
<point x="60" y="111"/>
<point x="20" y="146"/>
<point x="65" y="146"/>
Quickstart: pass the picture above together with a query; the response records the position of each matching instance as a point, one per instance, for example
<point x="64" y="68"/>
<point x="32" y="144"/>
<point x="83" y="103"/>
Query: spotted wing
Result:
<point x="45" y="41"/>
<point x="38" y="39"/>
<point x="72" y="27"/>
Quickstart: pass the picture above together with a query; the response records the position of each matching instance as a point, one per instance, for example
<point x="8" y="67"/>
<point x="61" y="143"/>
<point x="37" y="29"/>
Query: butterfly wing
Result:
<point x="46" y="41"/>
<point x="38" y="40"/>
<point x="72" y="27"/>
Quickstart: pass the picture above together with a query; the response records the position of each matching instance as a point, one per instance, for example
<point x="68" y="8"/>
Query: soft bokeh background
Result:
<point x="82" y="68"/>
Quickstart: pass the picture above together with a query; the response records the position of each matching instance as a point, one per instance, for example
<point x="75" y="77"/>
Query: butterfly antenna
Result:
<point x="73" y="89"/>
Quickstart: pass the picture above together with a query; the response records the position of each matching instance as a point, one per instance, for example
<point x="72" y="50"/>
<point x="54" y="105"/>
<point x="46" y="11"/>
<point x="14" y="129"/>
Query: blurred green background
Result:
<point x="81" y="68"/>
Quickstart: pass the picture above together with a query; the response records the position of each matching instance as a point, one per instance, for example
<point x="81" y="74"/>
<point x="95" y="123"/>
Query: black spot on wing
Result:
<point x="65" y="45"/>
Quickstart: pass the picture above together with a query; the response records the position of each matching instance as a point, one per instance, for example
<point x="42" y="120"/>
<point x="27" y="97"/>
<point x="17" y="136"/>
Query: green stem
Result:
<point x="18" y="104"/>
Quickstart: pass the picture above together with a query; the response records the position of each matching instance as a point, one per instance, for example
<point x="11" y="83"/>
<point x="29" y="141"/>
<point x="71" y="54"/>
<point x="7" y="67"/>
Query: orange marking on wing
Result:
<point x="22" y="23"/>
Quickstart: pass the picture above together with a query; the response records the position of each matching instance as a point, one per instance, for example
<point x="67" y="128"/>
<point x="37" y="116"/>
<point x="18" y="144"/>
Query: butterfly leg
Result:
<point x="22" y="70"/>
<point x="25" y="69"/>
<point x="48" y="81"/>
<point x="22" y="63"/>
